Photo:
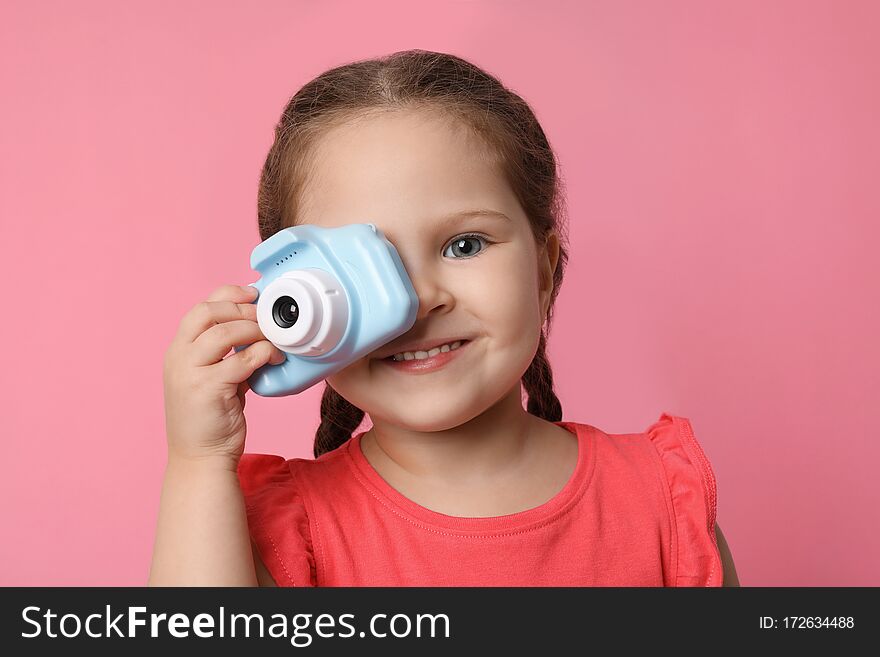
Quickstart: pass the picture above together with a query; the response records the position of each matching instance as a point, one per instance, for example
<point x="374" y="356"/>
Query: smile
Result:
<point x="429" y="364"/>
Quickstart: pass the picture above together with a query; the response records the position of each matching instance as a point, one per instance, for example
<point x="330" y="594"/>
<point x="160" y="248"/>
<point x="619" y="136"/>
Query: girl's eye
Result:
<point x="464" y="245"/>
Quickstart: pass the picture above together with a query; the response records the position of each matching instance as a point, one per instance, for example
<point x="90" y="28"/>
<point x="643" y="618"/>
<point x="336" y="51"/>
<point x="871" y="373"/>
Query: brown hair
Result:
<point x="420" y="79"/>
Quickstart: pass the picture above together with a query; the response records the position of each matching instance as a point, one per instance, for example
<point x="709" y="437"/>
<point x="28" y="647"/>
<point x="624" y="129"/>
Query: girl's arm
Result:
<point x="202" y="534"/>
<point x="264" y="577"/>
<point x="730" y="576"/>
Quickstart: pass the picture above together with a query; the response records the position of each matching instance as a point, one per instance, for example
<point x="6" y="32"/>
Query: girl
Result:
<point x="455" y="484"/>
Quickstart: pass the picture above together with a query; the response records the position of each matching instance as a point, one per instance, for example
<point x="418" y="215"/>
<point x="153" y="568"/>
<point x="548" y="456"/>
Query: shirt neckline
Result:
<point x="539" y="515"/>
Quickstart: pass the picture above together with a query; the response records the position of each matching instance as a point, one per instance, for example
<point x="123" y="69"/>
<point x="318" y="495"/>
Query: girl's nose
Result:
<point x="433" y="295"/>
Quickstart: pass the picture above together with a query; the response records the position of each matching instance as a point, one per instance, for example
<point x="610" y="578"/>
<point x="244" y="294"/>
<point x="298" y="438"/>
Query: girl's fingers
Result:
<point x="204" y="315"/>
<point x="239" y="293"/>
<point x="238" y="367"/>
<point x="218" y="340"/>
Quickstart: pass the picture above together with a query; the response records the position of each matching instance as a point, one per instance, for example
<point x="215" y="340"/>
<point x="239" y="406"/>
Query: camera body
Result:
<point x="327" y="297"/>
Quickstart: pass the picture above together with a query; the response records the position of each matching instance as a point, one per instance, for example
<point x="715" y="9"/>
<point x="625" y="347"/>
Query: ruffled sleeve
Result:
<point x="277" y="518"/>
<point x="696" y="559"/>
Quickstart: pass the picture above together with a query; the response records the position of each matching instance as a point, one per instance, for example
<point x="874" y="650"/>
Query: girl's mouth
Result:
<point x="429" y="364"/>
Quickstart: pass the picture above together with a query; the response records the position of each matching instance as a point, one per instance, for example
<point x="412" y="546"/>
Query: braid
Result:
<point x="339" y="418"/>
<point x="538" y="382"/>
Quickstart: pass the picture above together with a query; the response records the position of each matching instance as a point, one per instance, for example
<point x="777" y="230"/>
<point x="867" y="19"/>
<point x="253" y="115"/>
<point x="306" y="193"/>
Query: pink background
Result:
<point x="722" y="164"/>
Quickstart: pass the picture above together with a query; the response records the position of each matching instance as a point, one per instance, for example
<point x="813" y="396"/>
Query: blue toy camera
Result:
<point x="327" y="297"/>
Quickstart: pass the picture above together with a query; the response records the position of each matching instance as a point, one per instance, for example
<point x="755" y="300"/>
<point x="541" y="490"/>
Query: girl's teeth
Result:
<point x="421" y="355"/>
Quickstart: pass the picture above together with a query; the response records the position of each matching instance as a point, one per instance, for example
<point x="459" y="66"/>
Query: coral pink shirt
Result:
<point x="638" y="510"/>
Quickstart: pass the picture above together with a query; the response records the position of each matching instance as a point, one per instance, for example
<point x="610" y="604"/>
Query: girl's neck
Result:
<point x="503" y="462"/>
<point x="488" y="447"/>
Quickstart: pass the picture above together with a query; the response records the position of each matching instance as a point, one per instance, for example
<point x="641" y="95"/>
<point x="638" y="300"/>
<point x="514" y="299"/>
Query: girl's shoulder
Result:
<point x="672" y="474"/>
<point x="257" y="471"/>
<point x="682" y="456"/>
<point x="668" y="444"/>
<point x="273" y="485"/>
<point x="670" y="441"/>
<point x="691" y="489"/>
<point x="278" y="519"/>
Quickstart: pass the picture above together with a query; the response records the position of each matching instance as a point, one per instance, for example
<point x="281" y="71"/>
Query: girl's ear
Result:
<point x="547" y="259"/>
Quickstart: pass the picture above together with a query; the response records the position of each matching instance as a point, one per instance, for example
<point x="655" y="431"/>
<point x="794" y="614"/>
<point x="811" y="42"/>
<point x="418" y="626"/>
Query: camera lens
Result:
<point x="285" y="312"/>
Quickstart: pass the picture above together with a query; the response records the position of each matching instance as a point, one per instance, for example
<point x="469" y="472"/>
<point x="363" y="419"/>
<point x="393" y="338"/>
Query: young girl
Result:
<point x="455" y="483"/>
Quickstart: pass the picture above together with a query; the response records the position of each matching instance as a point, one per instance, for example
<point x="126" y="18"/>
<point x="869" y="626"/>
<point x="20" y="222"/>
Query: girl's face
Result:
<point x="406" y="172"/>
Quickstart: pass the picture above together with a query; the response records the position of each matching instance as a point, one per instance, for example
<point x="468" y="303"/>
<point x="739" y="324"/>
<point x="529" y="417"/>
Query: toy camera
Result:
<point x="327" y="297"/>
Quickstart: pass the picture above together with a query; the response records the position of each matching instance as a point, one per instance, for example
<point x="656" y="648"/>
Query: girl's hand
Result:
<point x="205" y="392"/>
